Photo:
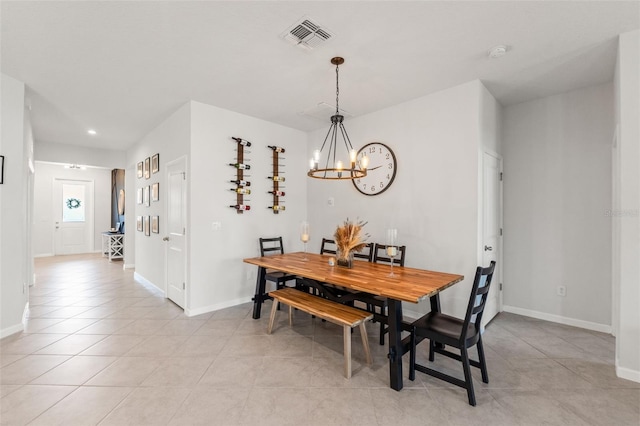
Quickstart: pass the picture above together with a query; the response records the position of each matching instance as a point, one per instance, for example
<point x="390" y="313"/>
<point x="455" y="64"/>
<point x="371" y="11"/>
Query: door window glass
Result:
<point x="73" y="203"/>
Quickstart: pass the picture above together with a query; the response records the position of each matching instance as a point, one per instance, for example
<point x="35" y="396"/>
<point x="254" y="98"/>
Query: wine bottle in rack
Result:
<point x="241" y="182"/>
<point x="241" y="207"/>
<point x="276" y="148"/>
<point x="241" y="166"/>
<point x="277" y="208"/>
<point x="278" y="193"/>
<point x="241" y="191"/>
<point x="276" y="178"/>
<point x="241" y="141"/>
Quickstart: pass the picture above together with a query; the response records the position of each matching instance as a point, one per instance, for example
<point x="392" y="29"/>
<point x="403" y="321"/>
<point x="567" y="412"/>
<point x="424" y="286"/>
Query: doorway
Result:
<point x="176" y="238"/>
<point x="491" y="240"/>
<point x="73" y="216"/>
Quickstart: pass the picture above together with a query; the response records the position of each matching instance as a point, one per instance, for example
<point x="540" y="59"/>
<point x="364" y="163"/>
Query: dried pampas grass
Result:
<point x="348" y="237"/>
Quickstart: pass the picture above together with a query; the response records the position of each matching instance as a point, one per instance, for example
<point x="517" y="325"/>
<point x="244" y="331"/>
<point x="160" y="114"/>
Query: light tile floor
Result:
<point x="101" y="348"/>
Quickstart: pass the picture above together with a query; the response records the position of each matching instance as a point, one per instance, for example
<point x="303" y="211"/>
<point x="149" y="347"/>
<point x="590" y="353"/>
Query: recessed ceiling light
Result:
<point x="498" y="51"/>
<point x="92" y="132"/>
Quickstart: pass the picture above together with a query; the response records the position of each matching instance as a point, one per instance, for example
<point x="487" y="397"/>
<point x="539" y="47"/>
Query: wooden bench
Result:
<point x="336" y="313"/>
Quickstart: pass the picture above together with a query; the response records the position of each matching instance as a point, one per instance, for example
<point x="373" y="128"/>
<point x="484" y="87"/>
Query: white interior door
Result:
<point x="175" y="238"/>
<point x="491" y="230"/>
<point x="73" y="216"/>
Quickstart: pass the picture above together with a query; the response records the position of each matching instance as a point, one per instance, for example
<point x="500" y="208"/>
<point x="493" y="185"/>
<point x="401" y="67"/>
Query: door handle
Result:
<point x="165" y="239"/>
<point x="488" y="248"/>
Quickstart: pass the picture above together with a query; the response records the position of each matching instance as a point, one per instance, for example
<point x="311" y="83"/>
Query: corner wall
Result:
<point x="15" y="257"/>
<point x="218" y="277"/>
<point x="626" y="208"/>
<point x="557" y="190"/>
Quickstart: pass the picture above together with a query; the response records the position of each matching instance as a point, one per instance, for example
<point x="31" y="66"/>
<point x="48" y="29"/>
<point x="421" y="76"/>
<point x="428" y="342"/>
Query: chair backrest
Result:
<point x="365" y="254"/>
<point x="328" y="247"/>
<point x="269" y="246"/>
<point x="380" y="255"/>
<point x="478" y="298"/>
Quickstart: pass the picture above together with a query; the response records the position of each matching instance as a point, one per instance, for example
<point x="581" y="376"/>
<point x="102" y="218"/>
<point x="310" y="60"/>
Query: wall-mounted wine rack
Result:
<point x="242" y="185"/>
<point x="276" y="178"/>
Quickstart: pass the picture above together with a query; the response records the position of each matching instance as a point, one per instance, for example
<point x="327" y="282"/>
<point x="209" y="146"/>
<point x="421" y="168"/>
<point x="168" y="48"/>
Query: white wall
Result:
<point x="43" y="217"/>
<point x="72" y="154"/>
<point x="434" y="199"/>
<point x="16" y="146"/>
<point x="218" y="277"/>
<point x="171" y="139"/>
<point x="626" y="217"/>
<point x="557" y="189"/>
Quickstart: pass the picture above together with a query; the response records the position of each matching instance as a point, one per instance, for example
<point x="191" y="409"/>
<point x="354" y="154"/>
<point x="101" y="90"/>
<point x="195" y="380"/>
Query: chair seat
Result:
<point x="441" y="324"/>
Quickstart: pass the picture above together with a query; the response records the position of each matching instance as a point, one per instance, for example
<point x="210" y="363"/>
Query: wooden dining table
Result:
<point x="407" y="285"/>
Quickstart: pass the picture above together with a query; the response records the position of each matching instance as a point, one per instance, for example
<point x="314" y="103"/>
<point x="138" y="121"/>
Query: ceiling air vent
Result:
<point x="307" y="34"/>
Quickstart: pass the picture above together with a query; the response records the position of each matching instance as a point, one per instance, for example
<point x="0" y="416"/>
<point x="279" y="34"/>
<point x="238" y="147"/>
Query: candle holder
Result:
<point x="392" y="247"/>
<point x="304" y="237"/>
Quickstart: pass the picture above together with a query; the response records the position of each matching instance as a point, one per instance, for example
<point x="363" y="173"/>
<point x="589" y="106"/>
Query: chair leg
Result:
<point x="432" y="352"/>
<point x="467" y="376"/>
<point x="482" y="360"/>
<point x="412" y="356"/>
<point x="274" y="308"/>
<point x="290" y="316"/>
<point x="365" y="343"/>
<point x="381" y="333"/>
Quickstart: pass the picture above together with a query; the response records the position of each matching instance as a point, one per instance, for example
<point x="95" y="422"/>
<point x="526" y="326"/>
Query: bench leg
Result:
<point x="290" y="316"/>
<point x="274" y="309"/>
<point x="365" y="343"/>
<point x="347" y="351"/>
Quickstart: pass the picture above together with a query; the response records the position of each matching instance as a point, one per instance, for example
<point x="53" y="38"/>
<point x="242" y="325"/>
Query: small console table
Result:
<point x="112" y="245"/>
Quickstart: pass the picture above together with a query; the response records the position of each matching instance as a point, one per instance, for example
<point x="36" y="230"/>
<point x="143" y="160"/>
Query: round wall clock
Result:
<point x="381" y="170"/>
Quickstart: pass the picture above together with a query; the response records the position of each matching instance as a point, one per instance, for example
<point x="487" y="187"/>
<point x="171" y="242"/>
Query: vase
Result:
<point x="345" y="260"/>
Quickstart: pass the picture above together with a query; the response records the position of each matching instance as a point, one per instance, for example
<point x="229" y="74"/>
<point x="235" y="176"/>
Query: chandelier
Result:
<point x="335" y="169"/>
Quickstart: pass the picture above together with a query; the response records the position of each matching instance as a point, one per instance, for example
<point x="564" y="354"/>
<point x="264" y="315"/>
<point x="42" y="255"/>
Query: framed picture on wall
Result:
<point x="140" y="170"/>
<point x="147" y="168"/>
<point x="155" y="163"/>
<point x="1" y="169"/>
<point x="139" y="223"/>
<point x="155" y="191"/>
<point x="147" y="198"/>
<point x="140" y="196"/>
<point x="147" y="227"/>
<point x="155" y="225"/>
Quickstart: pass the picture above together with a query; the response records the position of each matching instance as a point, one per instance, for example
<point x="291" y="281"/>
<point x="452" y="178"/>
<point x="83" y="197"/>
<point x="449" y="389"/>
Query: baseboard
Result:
<point x="602" y="328"/>
<point x="128" y="266"/>
<point x="18" y="327"/>
<point x="43" y="255"/>
<point x="627" y="373"/>
<point x="216" y="307"/>
<point x="145" y="282"/>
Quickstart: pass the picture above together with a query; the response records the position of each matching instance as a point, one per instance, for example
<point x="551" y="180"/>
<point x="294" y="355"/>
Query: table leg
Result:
<point x="259" y="296"/>
<point x="435" y="307"/>
<point x="435" y="302"/>
<point x="395" y="344"/>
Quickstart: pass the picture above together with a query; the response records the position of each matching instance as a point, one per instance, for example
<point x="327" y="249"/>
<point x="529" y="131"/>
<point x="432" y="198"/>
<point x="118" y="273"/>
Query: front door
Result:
<point x="175" y="238"/>
<point x="73" y="216"/>
<point x="491" y="230"/>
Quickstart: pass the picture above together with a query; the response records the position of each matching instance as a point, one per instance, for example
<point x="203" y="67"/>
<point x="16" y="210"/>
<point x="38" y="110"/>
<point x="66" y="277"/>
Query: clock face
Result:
<point x="381" y="170"/>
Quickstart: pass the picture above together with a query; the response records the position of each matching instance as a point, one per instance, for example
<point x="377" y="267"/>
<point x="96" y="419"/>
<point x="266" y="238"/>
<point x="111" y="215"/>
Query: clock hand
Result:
<point x="373" y="168"/>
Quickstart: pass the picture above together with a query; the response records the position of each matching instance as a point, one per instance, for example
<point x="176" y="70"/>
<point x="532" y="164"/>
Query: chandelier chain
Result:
<point x="337" y="90"/>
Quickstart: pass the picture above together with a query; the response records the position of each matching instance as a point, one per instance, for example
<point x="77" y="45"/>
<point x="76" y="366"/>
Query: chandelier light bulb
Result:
<point x="364" y="162"/>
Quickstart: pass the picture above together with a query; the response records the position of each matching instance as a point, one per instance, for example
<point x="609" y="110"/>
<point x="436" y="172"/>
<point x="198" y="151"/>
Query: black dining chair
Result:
<point x="442" y="330"/>
<point x="372" y="302"/>
<point x="271" y="246"/>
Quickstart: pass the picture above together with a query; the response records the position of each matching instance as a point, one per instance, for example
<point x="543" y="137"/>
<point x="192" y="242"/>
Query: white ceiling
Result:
<point x="122" y="67"/>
